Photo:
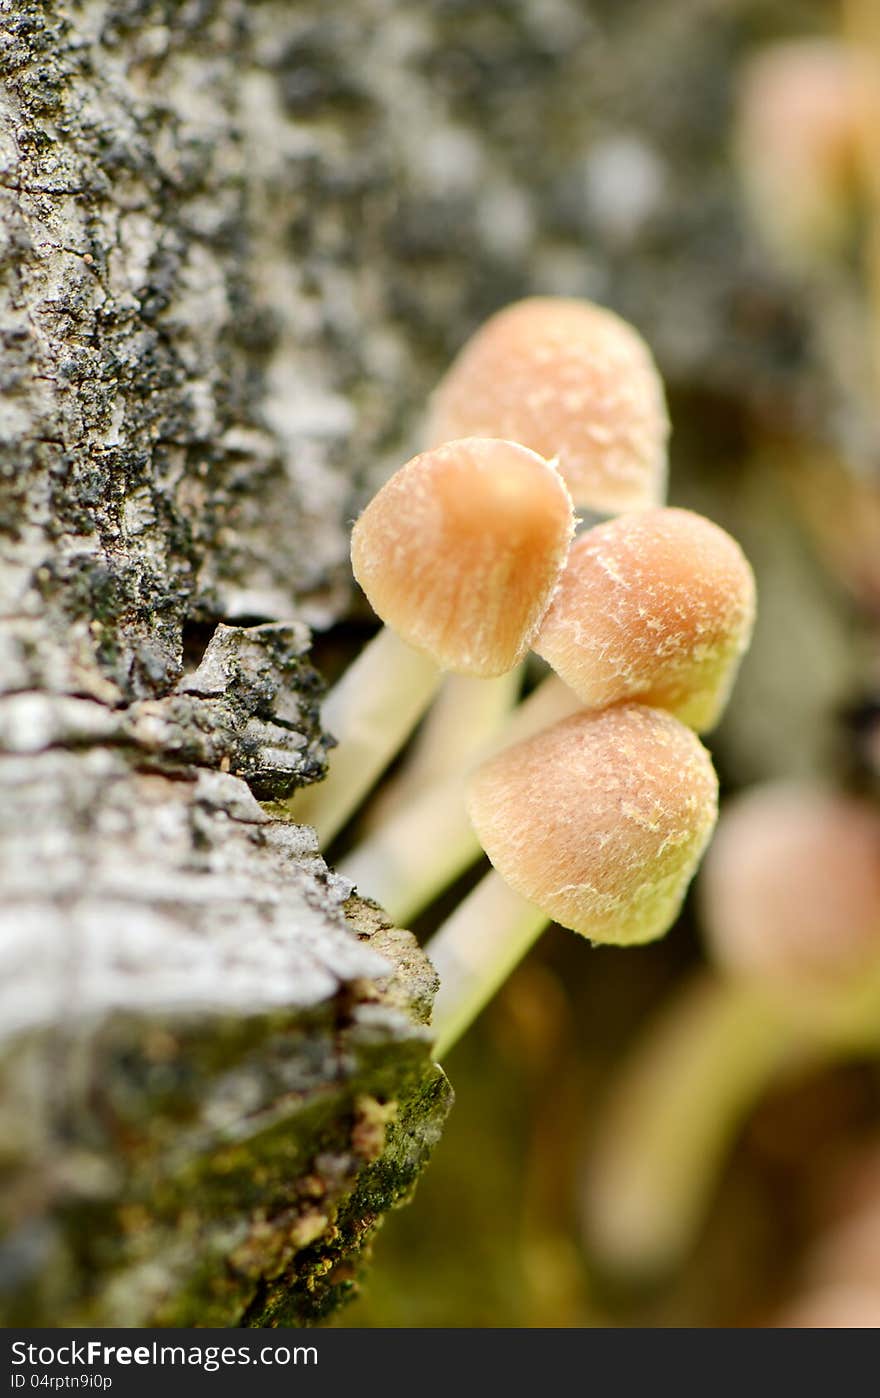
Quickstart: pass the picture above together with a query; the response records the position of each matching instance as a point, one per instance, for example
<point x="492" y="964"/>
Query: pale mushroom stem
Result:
<point x="428" y="841"/>
<point x="679" y="1103"/>
<point x="467" y="712"/>
<point x="474" y="953"/>
<point x="672" y="1117"/>
<point x="371" y="712"/>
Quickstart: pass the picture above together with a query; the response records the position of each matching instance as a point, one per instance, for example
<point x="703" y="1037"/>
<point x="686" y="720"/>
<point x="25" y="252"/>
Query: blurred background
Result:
<point x="711" y="170"/>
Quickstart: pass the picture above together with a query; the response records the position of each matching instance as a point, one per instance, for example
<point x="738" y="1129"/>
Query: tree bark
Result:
<point x="214" y="1069"/>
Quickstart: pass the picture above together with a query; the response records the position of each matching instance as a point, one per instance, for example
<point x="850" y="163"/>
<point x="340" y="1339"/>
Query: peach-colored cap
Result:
<point x="575" y="383"/>
<point x="656" y="606"/>
<point x="461" y="550"/>
<point x="797" y="143"/>
<point x="791" y="889"/>
<point x="600" y="821"/>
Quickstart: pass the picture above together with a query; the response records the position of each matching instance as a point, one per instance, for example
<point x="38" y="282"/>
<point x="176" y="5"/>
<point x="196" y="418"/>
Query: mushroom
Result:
<point x="797" y="145"/>
<point x="656" y="606"/>
<point x="791" y="907"/>
<point x="459" y="554"/>
<point x="791" y="897"/>
<point x="575" y="383"/>
<point x="598" y="823"/>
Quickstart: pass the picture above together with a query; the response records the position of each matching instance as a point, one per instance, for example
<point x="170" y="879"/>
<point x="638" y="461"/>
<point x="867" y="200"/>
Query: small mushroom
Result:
<point x="790" y="896"/>
<point x="797" y="145"/>
<point x="575" y="383"/>
<point x="791" y="893"/>
<point x="656" y="606"/>
<point x="459" y="554"/>
<point x="461" y="550"/>
<point x="600" y="820"/>
<point x="597" y="823"/>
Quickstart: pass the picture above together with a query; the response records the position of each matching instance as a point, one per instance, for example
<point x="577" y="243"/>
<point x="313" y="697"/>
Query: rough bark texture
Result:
<point x="240" y="242"/>
<point x="214" y="1071"/>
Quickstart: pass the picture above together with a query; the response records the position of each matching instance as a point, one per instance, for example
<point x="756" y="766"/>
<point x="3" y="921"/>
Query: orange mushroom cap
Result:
<point x="575" y="383"/>
<point x="600" y="820"/>
<point x="656" y="606"/>
<point x="461" y="550"/>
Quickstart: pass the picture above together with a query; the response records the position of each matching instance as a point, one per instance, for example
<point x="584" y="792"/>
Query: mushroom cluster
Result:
<point x="595" y="799"/>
